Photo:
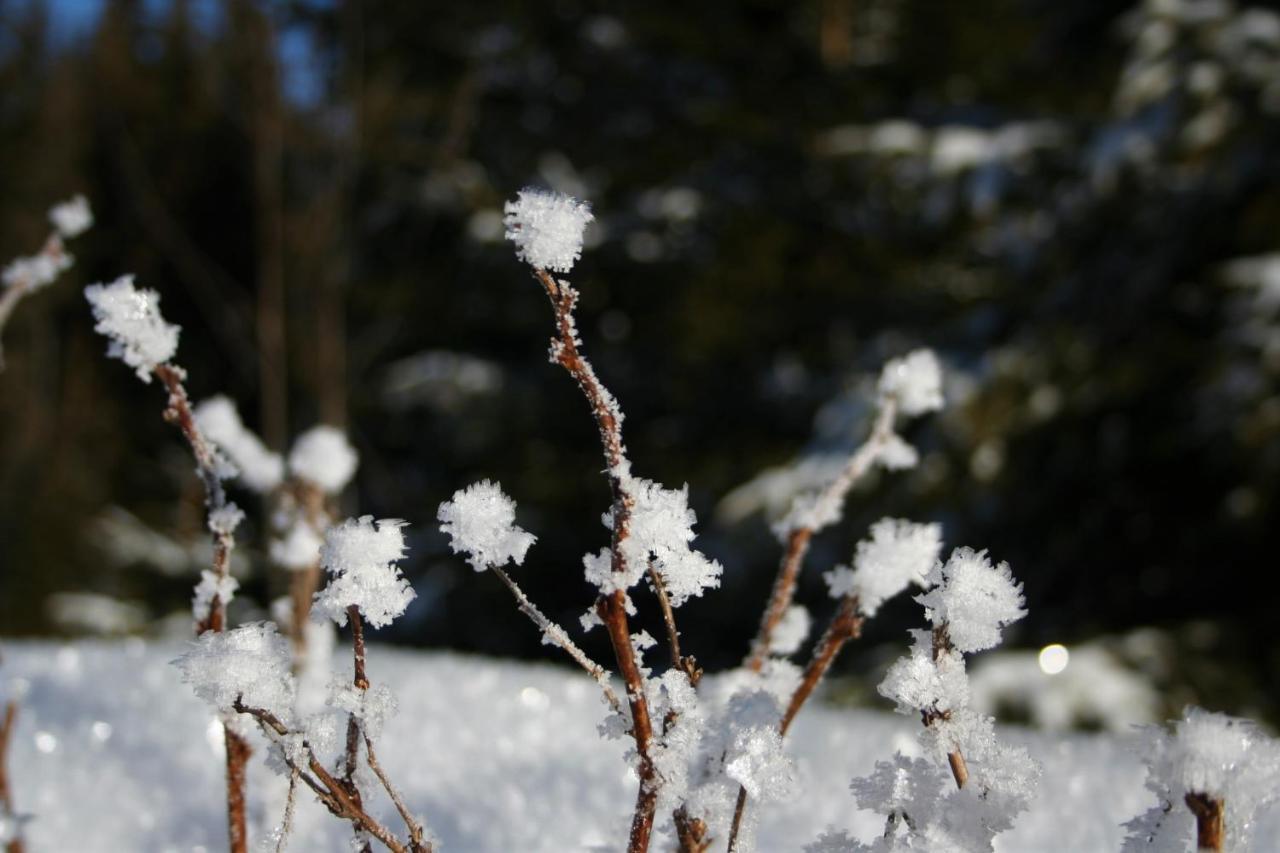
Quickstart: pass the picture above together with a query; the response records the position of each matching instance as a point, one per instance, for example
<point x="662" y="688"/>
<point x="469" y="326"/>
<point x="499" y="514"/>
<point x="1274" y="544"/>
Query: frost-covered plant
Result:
<point x="26" y="275"/>
<point x="969" y="786"/>
<point x="139" y="336"/>
<point x="1222" y="769"/>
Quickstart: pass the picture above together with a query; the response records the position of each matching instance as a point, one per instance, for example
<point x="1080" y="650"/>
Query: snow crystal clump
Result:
<point x="250" y="663"/>
<point x="210" y="587"/>
<point x="973" y="599"/>
<point x="71" y="218"/>
<point x="323" y="456"/>
<point x="372" y="706"/>
<point x="131" y="319"/>
<point x="480" y="521"/>
<point x="1210" y="755"/>
<point x="225" y="519"/>
<point x="298" y="549"/>
<point x="918" y="682"/>
<point x="915" y="381"/>
<point x="660" y="529"/>
<point x="36" y="271"/>
<point x="547" y="228"/>
<point x="898" y="554"/>
<point x="361" y="555"/>
<point x="260" y="469"/>
<point x="791" y="631"/>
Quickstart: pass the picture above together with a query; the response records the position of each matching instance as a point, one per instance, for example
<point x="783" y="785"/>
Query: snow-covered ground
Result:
<point x="114" y="753"/>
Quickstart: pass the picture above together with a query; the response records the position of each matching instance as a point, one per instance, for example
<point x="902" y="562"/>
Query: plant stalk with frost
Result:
<point x="140" y="337"/>
<point x="24" y="276"/>
<point x="10" y="821"/>
<point x="909" y="386"/>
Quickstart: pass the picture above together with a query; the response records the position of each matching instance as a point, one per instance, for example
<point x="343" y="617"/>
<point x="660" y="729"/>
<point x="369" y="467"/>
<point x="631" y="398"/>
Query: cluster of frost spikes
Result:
<point x="323" y="456"/>
<point x="361" y="556"/>
<point x="927" y="803"/>
<point x="250" y="663"/>
<point x="480" y="522"/>
<point x="1213" y="756"/>
<point x="915" y="381"/>
<point x="130" y="318"/>
<point x="259" y="468"/>
<point x="661" y="530"/>
<point x="547" y="228"/>
<point x="898" y="554"/>
<point x="69" y="219"/>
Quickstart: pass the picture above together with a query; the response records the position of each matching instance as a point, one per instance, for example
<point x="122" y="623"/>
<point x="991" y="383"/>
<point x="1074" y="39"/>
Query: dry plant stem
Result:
<point x="784" y="586"/>
<point x="286" y="825"/>
<point x="309" y="500"/>
<point x="178" y="412"/>
<point x="13" y="294"/>
<point x="1211" y="820"/>
<point x="612" y="607"/>
<point x="330" y="790"/>
<point x="15" y="844"/>
<point x="959" y="769"/>
<point x="691" y="833"/>
<point x="416" y="832"/>
<point x="557" y="635"/>
<point x="361" y="682"/>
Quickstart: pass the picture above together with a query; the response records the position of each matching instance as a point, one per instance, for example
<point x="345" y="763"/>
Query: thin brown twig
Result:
<point x="361" y="682"/>
<point x="560" y="637"/>
<point x="612" y="607"/>
<point x="238" y="751"/>
<point x="15" y="844"/>
<point x="11" y="295"/>
<point x="416" y="832"/>
<point x="955" y="758"/>
<point x="1211" y="820"/>
<point x="798" y="538"/>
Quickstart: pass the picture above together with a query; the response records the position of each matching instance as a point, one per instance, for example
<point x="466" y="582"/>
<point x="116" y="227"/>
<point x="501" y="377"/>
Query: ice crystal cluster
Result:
<point x="1208" y="755"/>
<point x="360" y="554"/>
<point x="69" y="219"/>
<point x="322" y="455"/>
<point x="915" y="381"/>
<point x="250" y="663"/>
<point x="547" y="228"/>
<point x="259" y="469"/>
<point x="130" y="318"/>
<point x="923" y="799"/>
<point x="480" y="522"/>
<point x="899" y="554"/>
<point x="660" y="529"/>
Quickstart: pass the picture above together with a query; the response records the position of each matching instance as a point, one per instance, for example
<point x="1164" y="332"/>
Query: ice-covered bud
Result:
<point x="250" y="663"/>
<point x="298" y="549"/>
<point x="36" y="271"/>
<point x="480" y="522"/>
<point x="896" y="454"/>
<point x="915" y="381"/>
<point x="661" y="529"/>
<point x="323" y="456"/>
<point x="71" y="218"/>
<point x="791" y="631"/>
<point x="973" y="599"/>
<point x="898" y="554"/>
<point x="361" y="556"/>
<point x="131" y="319"/>
<point x="260" y="469"/>
<point x="210" y="587"/>
<point x="225" y="519"/>
<point x="547" y="228"/>
<point x="918" y="682"/>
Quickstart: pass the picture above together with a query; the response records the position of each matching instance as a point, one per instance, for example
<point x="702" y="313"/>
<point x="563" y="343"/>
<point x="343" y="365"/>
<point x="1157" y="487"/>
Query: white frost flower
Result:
<point x="71" y="218"/>
<point x="915" y="380"/>
<point x="131" y="319"/>
<point x="480" y="521"/>
<point x="250" y="663"/>
<point x="898" y="554"/>
<point x="260" y="469"/>
<point x="973" y="599"/>
<point x="547" y="228"/>
<point x="661" y="529"/>
<point x="361" y="557"/>
<point x="323" y="456"/>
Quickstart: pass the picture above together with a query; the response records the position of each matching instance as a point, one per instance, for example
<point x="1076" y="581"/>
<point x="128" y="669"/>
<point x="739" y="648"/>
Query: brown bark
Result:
<point x="1211" y="820"/>
<point x="784" y="587"/>
<point x="238" y="752"/>
<point x="15" y="845"/>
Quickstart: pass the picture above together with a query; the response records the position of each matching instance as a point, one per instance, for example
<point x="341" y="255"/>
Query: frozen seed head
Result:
<point x="323" y="456"/>
<point x="547" y="228"/>
<point x="915" y="380"/>
<point x="260" y="469"/>
<point x="130" y="318"/>
<point x="361" y="555"/>
<point x="71" y="218"/>
<point x="973" y="598"/>
<point x="480" y="522"/>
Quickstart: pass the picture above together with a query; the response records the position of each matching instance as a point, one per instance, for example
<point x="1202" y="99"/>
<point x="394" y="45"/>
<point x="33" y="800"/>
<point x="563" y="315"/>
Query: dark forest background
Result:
<point x="1075" y="204"/>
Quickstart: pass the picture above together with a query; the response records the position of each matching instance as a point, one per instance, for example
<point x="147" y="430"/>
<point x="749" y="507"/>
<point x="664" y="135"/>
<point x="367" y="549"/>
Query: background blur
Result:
<point x="1076" y="204"/>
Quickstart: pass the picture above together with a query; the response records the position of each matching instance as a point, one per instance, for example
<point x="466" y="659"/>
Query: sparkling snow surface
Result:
<point x="113" y="752"/>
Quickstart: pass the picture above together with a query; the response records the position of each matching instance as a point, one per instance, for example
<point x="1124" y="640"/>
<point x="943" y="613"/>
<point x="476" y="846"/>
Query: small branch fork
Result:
<point x="15" y="844"/>
<point x="611" y="607"/>
<point x="238" y="751"/>
<point x="798" y="539"/>
<point x="333" y="792"/>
